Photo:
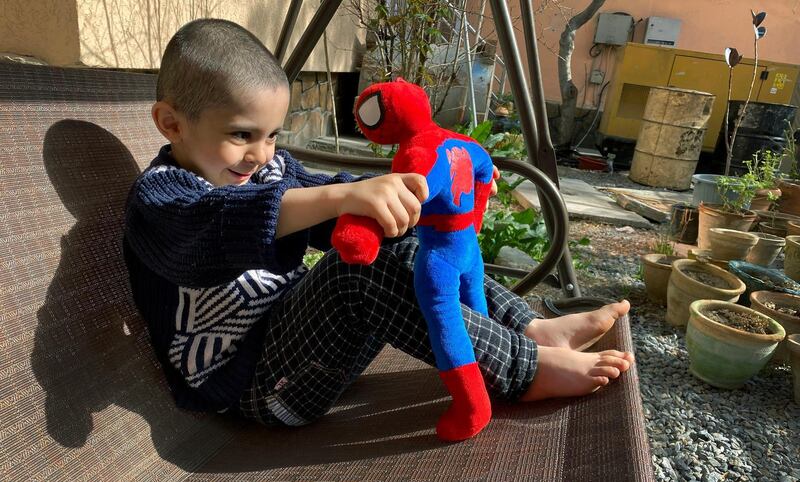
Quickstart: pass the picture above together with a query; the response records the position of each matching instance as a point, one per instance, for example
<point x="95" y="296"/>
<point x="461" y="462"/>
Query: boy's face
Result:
<point x="226" y="145"/>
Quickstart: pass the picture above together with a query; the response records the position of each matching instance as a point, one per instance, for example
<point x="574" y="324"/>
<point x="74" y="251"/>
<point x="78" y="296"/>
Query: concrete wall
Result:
<point x="131" y="34"/>
<point x="708" y="26"/>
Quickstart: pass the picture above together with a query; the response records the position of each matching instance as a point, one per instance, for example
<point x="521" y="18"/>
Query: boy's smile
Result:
<point x="228" y="144"/>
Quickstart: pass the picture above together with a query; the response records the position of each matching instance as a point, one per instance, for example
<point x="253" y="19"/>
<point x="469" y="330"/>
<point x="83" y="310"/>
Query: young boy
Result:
<point x="215" y="233"/>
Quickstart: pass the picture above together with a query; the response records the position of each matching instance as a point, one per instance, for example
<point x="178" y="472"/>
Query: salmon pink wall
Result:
<point x="707" y="26"/>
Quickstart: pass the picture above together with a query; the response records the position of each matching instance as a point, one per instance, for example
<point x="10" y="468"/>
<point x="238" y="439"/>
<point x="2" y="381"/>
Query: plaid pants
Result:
<point x="325" y="332"/>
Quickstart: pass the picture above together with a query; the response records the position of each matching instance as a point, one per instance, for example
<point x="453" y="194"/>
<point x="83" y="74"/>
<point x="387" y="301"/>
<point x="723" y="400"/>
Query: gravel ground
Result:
<point x="696" y="431"/>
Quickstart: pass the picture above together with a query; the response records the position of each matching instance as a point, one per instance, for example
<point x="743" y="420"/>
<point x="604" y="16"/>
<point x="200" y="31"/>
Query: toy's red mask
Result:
<point x="392" y="112"/>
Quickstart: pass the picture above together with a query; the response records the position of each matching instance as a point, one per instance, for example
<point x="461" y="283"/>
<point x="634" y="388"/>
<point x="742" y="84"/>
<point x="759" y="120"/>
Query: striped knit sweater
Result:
<point x="205" y="268"/>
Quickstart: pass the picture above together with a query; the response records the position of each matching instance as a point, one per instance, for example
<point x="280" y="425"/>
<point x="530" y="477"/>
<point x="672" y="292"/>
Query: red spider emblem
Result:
<point x="460" y="173"/>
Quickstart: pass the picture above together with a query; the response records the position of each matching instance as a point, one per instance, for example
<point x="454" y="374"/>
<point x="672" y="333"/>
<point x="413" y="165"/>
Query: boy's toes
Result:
<point x="612" y="353"/>
<point x="600" y="381"/>
<point x="611" y="361"/>
<point x="605" y="371"/>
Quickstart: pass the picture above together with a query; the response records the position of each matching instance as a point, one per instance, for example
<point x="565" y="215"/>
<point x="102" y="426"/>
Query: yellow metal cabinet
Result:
<point x="709" y="75"/>
<point x="640" y="67"/>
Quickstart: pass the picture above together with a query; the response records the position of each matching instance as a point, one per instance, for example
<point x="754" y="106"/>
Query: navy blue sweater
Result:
<point x="205" y="268"/>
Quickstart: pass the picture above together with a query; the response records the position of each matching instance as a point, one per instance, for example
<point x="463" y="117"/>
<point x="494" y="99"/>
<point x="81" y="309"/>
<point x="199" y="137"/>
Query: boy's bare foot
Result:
<point x="562" y="372"/>
<point x="577" y="331"/>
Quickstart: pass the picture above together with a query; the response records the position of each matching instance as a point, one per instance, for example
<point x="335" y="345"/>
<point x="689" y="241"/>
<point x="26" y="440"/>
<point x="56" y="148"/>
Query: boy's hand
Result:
<point x="393" y="200"/>
<point x="495" y="177"/>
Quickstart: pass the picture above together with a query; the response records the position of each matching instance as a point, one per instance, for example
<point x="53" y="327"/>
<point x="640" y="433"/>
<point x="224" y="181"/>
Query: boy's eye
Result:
<point x="274" y="135"/>
<point x="241" y="135"/>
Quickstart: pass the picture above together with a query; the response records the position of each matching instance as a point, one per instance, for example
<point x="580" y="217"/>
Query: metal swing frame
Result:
<point x="530" y="102"/>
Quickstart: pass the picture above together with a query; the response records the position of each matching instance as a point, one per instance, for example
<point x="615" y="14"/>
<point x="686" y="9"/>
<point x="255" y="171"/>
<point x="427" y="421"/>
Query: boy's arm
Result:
<point x="195" y="235"/>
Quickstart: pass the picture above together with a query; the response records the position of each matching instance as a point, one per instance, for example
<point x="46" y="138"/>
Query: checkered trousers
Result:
<point x="325" y="332"/>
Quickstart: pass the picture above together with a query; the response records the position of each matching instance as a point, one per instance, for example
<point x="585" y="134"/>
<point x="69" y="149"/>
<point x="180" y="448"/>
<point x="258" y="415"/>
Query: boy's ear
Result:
<point x="167" y="120"/>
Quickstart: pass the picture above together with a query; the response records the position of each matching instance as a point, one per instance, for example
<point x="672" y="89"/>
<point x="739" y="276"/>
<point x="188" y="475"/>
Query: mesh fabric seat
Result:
<point x="82" y="398"/>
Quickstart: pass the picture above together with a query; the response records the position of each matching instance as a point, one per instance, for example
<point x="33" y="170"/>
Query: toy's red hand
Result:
<point x="357" y="238"/>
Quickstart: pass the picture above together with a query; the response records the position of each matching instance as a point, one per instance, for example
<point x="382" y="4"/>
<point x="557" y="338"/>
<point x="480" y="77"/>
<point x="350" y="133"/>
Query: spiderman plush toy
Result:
<point x="448" y="269"/>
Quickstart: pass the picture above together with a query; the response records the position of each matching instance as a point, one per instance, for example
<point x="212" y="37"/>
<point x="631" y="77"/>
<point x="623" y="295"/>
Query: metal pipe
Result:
<point x="522" y="100"/>
<point x="287" y="28"/>
<point x="546" y="155"/>
<point x="330" y="92"/>
<point x="310" y="38"/>
<point x="471" y="87"/>
<point x="553" y="204"/>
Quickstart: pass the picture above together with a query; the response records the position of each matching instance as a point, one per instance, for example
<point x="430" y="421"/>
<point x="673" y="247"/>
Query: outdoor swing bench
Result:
<point x="82" y="397"/>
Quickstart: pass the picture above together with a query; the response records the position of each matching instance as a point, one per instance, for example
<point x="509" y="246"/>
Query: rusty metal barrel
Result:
<point x="671" y="137"/>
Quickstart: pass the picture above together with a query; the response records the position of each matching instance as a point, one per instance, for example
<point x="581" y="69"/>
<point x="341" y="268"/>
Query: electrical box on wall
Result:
<point x="613" y="28"/>
<point x="662" y="31"/>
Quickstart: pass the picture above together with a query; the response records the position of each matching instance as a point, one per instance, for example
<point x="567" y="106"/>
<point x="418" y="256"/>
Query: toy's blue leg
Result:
<point x="472" y="293"/>
<point x="437" y="285"/>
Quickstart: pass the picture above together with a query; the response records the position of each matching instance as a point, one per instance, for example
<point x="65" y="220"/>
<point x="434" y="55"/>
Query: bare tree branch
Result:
<point x="569" y="92"/>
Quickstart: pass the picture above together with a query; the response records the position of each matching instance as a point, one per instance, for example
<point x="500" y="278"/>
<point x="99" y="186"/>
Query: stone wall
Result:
<point x="310" y="110"/>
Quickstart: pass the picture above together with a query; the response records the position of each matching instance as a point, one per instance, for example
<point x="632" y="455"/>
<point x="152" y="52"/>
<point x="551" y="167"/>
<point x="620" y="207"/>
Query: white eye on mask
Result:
<point x="370" y="112"/>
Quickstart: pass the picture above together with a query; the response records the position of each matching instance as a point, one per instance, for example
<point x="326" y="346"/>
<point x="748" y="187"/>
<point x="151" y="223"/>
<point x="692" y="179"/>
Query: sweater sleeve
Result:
<point x="319" y="235"/>
<point x="195" y="235"/>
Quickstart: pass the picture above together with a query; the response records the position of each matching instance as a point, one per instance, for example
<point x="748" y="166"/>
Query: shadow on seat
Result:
<point x="81" y="396"/>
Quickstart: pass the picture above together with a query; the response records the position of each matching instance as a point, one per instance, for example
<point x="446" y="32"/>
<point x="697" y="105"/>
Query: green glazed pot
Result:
<point x="723" y="356"/>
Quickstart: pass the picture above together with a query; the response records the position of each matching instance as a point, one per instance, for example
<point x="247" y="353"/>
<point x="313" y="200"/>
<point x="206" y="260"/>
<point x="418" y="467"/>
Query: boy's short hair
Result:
<point x="208" y="60"/>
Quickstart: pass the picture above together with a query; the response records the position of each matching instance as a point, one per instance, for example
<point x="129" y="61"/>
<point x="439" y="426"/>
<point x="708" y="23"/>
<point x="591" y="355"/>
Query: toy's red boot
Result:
<point x="470" y="410"/>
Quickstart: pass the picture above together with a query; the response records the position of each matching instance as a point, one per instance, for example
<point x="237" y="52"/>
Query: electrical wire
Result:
<point x="596" y="115"/>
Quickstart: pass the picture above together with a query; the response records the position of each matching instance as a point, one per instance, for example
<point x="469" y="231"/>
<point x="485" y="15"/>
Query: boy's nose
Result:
<point x="258" y="155"/>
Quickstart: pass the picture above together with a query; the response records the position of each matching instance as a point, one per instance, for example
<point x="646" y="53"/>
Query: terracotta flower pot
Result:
<point x="704" y="255"/>
<point x="791" y="263"/>
<point x="723" y="356"/>
<point x="769" y="228"/>
<point x="790" y="197"/>
<point x="789" y="322"/>
<point x="712" y="216"/>
<point x="761" y="200"/>
<point x="728" y="244"/>
<point x="775" y="218"/>
<point x="656" y="275"/>
<point x="766" y="249"/>
<point x="794" y="357"/>
<point x="792" y="228"/>
<point x="683" y="289"/>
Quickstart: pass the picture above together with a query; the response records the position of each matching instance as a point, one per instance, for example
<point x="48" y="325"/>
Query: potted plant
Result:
<point x="683" y="223"/>
<point x="766" y="249"/>
<point x="728" y="244"/>
<point x="694" y="280"/>
<point x="764" y="168"/>
<point x="783" y="308"/>
<point x="794" y="357"/>
<point x="791" y="263"/>
<point x="732" y="213"/>
<point x="728" y="343"/>
<point x="656" y="269"/>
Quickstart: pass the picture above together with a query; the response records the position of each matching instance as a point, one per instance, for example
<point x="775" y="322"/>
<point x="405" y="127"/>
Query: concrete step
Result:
<point x="584" y="202"/>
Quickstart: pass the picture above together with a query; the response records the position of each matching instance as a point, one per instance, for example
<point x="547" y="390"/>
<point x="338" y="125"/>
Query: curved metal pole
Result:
<point x="286" y="30"/>
<point x="553" y="202"/>
<point x="546" y="155"/>
<point x="522" y="99"/>
<point x="310" y="38"/>
<point x="531" y="130"/>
